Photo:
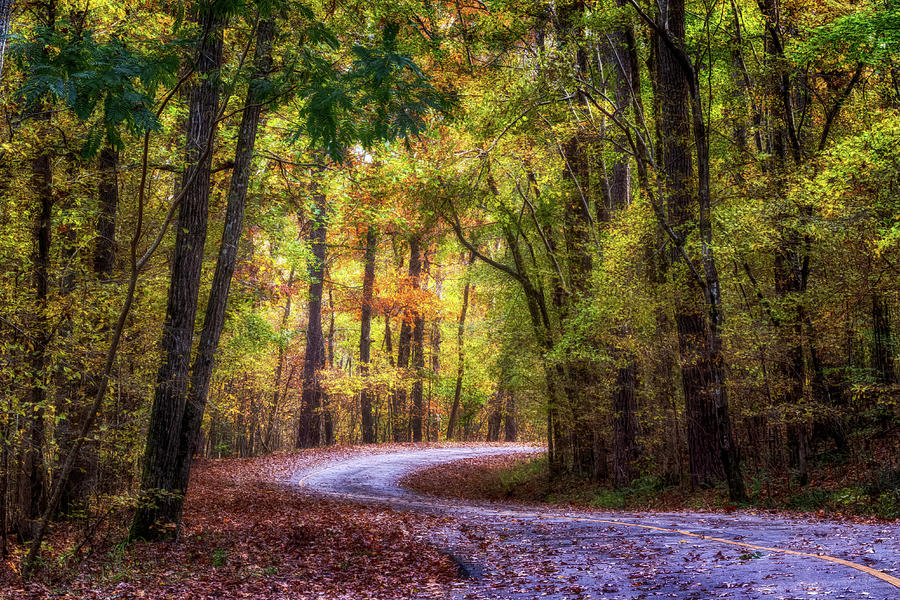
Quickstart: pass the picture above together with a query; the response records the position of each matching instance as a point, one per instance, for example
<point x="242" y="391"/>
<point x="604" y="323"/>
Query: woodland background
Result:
<point x="662" y="237"/>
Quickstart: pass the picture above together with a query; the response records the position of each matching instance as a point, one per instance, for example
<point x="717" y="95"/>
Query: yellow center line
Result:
<point x="894" y="581"/>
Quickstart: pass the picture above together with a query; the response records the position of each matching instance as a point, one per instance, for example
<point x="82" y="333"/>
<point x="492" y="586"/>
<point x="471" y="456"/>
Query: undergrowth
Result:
<point x="877" y="493"/>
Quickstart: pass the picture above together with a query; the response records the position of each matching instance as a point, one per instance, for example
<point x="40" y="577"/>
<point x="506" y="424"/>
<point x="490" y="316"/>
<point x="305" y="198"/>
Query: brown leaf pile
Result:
<point x="477" y="478"/>
<point x="249" y="534"/>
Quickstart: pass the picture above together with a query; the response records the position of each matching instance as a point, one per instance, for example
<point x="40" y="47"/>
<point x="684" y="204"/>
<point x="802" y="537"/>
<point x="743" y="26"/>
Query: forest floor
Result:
<point x="865" y="495"/>
<point x="248" y="533"/>
<point x="336" y="524"/>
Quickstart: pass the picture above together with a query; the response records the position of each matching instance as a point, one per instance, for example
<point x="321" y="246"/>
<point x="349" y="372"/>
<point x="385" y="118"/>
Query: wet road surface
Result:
<point x="516" y="551"/>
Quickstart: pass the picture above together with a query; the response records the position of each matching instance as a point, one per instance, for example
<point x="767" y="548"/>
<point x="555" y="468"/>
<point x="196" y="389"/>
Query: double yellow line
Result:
<point x="894" y="581"/>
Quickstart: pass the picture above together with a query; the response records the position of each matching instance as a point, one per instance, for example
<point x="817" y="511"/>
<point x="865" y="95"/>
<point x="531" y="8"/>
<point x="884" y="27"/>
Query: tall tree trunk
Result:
<point x="675" y="132"/>
<point x="461" y="356"/>
<point x="214" y="319"/>
<point x="329" y="339"/>
<point x="432" y="427"/>
<point x="510" y="422"/>
<point x="788" y="271"/>
<point x="624" y="421"/>
<point x="365" y="338"/>
<point x="161" y="490"/>
<point x="495" y="415"/>
<point x="711" y="447"/>
<point x="33" y="483"/>
<point x="309" y="434"/>
<point x="279" y="367"/>
<point x="327" y="414"/>
<point x="729" y="455"/>
<point x="398" y="427"/>
<point x="588" y="449"/>
<point x="4" y="477"/>
<point x="417" y="410"/>
<point x="580" y="382"/>
<point x="882" y="342"/>
<point x="6" y="7"/>
<point x="389" y="352"/>
<point x="418" y="364"/>
<point x="108" y="193"/>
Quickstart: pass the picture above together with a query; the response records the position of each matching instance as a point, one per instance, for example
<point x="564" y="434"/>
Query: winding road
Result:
<point x="515" y="551"/>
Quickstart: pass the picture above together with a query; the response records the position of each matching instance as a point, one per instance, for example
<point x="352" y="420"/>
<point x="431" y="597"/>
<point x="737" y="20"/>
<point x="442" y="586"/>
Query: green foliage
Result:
<point x="383" y="95"/>
<point x="868" y="36"/>
<point x="219" y="557"/>
<point x="109" y="80"/>
<point x="810" y="499"/>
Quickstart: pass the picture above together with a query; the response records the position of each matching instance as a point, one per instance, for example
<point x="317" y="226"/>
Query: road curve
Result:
<point x="515" y="551"/>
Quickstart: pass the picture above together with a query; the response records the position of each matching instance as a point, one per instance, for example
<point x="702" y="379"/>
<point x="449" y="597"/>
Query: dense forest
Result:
<point x="661" y="237"/>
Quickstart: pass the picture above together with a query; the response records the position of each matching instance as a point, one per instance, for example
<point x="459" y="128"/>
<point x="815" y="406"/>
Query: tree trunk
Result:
<point x="389" y="351"/>
<point x="6" y="7"/>
<point x="729" y="455"/>
<point x="418" y="365"/>
<point x="69" y="390"/>
<point x="163" y="496"/>
<point x="510" y="422"/>
<point x="461" y="357"/>
<point x="417" y="411"/>
<point x="690" y="320"/>
<point x="624" y="422"/>
<point x="365" y="338"/>
<point x="711" y="448"/>
<point x="788" y="275"/>
<point x="309" y="434"/>
<point x="108" y="193"/>
<point x="882" y="342"/>
<point x="4" y="477"/>
<point x="495" y="416"/>
<point x="327" y="414"/>
<point x="279" y="367"/>
<point x="398" y="427"/>
<point x="432" y="425"/>
<point x="33" y="484"/>
<point x="217" y="304"/>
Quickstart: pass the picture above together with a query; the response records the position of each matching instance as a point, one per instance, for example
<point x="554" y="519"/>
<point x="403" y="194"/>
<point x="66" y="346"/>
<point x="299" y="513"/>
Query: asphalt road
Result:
<point x="515" y="551"/>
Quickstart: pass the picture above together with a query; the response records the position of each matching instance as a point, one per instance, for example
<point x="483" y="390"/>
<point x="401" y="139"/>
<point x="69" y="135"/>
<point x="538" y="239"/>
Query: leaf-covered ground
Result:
<point x="249" y="533"/>
<point x="523" y="478"/>
<point x="499" y="477"/>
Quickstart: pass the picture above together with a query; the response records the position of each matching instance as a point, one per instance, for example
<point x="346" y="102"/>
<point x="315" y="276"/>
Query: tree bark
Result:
<point x="214" y="319"/>
<point x="279" y="367"/>
<point x="159" y="513"/>
<point x="108" y="193"/>
<point x="461" y="356"/>
<point x="495" y="415"/>
<point x="624" y="425"/>
<point x="417" y="410"/>
<point x="6" y="7"/>
<point x="510" y="422"/>
<point x="729" y="455"/>
<point x="33" y="483"/>
<point x="675" y="132"/>
<point x="432" y="426"/>
<point x="365" y="338"/>
<point x="404" y="346"/>
<point x="327" y="415"/>
<point x="309" y="433"/>
<point x="883" y="342"/>
<point x="711" y="445"/>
